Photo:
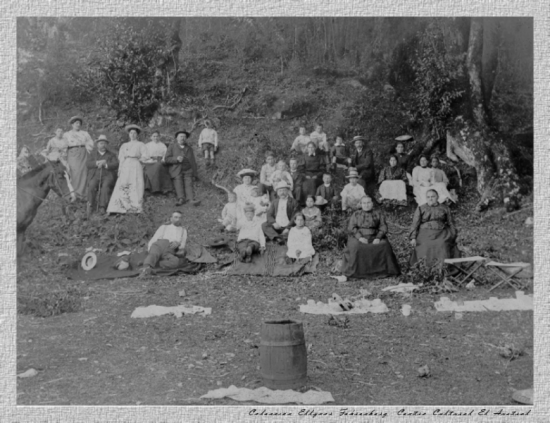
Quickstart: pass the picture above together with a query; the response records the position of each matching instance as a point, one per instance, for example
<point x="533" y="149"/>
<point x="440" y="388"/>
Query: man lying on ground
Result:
<point x="166" y="247"/>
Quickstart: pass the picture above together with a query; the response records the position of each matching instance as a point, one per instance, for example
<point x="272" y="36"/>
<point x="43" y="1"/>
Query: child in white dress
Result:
<point x="299" y="241"/>
<point x="229" y="213"/>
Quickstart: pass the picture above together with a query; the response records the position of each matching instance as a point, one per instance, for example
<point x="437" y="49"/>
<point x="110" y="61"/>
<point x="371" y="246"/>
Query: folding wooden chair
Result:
<point x="466" y="266"/>
<point x="508" y="273"/>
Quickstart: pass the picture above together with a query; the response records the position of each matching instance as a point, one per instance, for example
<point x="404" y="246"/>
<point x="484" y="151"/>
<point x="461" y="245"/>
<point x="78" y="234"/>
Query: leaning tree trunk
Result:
<point x="476" y="144"/>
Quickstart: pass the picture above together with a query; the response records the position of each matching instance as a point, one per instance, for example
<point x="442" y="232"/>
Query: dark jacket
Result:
<point x="112" y="164"/>
<point x="176" y="168"/>
<point x="364" y="163"/>
<point x="291" y="209"/>
<point x="326" y="193"/>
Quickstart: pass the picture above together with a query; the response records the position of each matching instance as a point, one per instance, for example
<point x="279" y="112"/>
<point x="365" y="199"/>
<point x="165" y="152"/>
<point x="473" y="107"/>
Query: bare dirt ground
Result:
<point x="97" y="355"/>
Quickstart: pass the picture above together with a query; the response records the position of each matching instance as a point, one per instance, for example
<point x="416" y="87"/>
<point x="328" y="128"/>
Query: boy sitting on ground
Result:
<point x="352" y="192"/>
<point x="327" y="190"/>
<point x="166" y="247"/>
<point x="229" y="213"/>
<point x="299" y="241"/>
<point x="251" y="237"/>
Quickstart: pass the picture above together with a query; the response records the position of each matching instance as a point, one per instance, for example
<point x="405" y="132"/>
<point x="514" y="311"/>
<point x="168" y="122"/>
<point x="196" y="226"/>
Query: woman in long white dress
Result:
<point x="439" y="182"/>
<point x="421" y="180"/>
<point x="128" y="193"/>
<point x="79" y="145"/>
<point x="244" y="191"/>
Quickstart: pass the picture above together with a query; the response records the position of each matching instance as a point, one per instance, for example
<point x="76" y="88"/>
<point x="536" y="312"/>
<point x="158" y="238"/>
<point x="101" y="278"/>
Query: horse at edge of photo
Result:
<point x="33" y="188"/>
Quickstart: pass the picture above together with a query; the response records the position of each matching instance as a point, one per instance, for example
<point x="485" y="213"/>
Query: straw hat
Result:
<point x="404" y="138"/>
<point x="359" y="138"/>
<point x="320" y="201"/>
<point x="102" y="137"/>
<point x="281" y="185"/>
<point x="89" y="261"/>
<point x="132" y="126"/>
<point x="75" y="118"/>
<point x="247" y="172"/>
<point x="353" y="174"/>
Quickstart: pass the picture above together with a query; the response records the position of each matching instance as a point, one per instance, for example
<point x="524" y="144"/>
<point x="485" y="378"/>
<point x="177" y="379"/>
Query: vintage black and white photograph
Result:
<point x="254" y="211"/>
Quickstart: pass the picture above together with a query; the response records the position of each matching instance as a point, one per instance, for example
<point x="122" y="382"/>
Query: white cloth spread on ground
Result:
<point x="521" y="302"/>
<point x="361" y="306"/>
<point x="171" y="233"/>
<point x="282" y="219"/>
<point x="267" y="396"/>
<point x="402" y="287"/>
<point x="178" y="311"/>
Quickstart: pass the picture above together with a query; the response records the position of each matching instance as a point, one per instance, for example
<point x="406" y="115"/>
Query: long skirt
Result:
<point x="79" y="172"/>
<point x="128" y="193"/>
<point x="393" y="190"/>
<point x="434" y="245"/>
<point x="367" y="260"/>
<point x="157" y="178"/>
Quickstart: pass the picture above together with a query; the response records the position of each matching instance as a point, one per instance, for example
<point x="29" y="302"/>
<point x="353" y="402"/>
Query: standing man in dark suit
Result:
<point x="102" y="173"/>
<point x="182" y="168"/>
<point x="280" y="215"/>
<point x="363" y="160"/>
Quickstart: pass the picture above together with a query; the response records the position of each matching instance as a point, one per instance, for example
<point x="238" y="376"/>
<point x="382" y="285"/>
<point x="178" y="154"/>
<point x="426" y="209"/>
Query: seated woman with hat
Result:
<point x="102" y="172"/>
<point x="368" y="252"/>
<point x="280" y="215"/>
<point x="393" y="183"/>
<point x="244" y="191"/>
<point x="352" y="192"/>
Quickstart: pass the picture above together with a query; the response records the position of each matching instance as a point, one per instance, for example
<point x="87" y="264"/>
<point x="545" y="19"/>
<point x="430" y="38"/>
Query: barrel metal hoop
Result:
<point x="281" y="344"/>
<point x="284" y="377"/>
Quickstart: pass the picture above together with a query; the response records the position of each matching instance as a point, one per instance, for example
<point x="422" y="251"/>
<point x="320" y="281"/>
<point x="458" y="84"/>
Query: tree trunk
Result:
<point x="476" y="144"/>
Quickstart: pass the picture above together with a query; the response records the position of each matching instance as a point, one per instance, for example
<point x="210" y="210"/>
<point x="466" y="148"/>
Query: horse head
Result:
<point x="60" y="180"/>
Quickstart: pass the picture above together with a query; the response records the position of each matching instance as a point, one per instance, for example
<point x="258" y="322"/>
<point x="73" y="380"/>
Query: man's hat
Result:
<point x="132" y="126"/>
<point x="404" y="138"/>
<point x="281" y="185"/>
<point x="320" y="201"/>
<point x="359" y="138"/>
<point x="102" y="137"/>
<point x="353" y="173"/>
<point x="187" y="134"/>
<point x="75" y="118"/>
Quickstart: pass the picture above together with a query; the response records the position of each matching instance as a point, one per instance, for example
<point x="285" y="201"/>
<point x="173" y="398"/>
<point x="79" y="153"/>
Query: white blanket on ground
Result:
<point x="361" y="306"/>
<point x="521" y="302"/>
<point x="267" y="396"/>
<point x="155" y="310"/>
<point x="393" y="190"/>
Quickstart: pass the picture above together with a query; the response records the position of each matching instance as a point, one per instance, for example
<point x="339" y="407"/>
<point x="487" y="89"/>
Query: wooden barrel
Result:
<point x="283" y="355"/>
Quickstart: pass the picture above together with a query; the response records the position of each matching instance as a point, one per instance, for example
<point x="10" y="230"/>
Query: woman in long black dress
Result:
<point x="368" y="252"/>
<point x="433" y="233"/>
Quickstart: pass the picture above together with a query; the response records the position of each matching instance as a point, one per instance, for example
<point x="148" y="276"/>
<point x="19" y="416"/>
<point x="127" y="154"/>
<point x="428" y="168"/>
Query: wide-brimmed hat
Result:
<point x="247" y="172"/>
<point x="187" y="134"/>
<point x="75" y="118"/>
<point x="353" y="173"/>
<point x="281" y="185"/>
<point x="102" y="137"/>
<point x="359" y="138"/>
<point x="132" y="126"/>
<point x="404" y="138"/>
<point x="320" y="201"/>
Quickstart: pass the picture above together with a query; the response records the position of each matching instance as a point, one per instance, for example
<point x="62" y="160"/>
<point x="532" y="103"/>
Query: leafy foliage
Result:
<point x="437" y="80"/>
<point x="68" y="300"/>
<point x="123" y="70"/>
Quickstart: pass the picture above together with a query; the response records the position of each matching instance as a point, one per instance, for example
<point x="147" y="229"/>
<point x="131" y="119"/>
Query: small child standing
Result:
<point x="229" y="213"/>
<point x="339" y="153"/>
<point x="299" y="240"/>
<point x="312" y="215"/>
<point x="251" y="237"/>
<point x="267" y="170"/>
<point x="208" y="142"/>
<point x="320" y="138"/>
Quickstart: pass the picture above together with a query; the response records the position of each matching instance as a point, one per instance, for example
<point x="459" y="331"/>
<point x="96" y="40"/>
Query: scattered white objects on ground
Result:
<point x="340" y="278"/>
<point x="155" y="310"/>
<point x="521" y="302"/>
<point x="402" y="287"/>
<point x="95" y="250"/>
<point x="267" y="396"/>
<point x="28" y="373"/>
<point x="361" y="306"/>
<point x="406" y="310"/>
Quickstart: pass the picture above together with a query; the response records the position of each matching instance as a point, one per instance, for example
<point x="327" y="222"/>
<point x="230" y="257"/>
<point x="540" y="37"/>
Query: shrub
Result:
<point x="51" y="304"/>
